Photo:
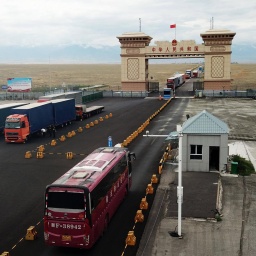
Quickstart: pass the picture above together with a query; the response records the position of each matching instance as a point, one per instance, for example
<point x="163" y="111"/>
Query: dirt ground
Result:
<point x="50" y="75"/>
<point x="238" y="114"/>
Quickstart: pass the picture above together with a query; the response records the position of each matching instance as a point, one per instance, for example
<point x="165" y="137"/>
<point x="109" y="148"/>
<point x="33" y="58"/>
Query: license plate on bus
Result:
<point x="66" y="238"/>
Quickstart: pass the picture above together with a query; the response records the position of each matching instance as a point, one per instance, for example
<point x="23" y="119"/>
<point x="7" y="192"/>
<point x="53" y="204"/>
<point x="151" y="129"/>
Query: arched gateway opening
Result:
<point x="215" y="49"/>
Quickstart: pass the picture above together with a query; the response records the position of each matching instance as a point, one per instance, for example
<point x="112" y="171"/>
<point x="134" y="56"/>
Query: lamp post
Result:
<point x="180" y="187"/>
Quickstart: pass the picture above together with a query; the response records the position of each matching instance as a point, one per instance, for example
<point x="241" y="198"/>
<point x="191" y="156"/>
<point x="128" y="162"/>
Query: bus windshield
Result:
<point x="66" y="200"/>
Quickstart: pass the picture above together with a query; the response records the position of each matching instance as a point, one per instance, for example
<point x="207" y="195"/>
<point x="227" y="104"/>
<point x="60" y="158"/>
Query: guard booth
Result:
<point x="204" y="143"/>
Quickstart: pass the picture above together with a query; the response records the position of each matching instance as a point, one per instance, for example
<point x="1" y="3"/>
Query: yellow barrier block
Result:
<point x="131" y="239"/>
<point x="96" y="122"/>
<point x="73" y="133"/>
<point x="70" y="155"/>
<point x="154" y="179"/>
<point x="135" y="134"/>
<point x="149" y="189"/>
<point x="140" y="130"/>
<point x="110" y="115"/>
<point x="5" y="254"/>
<point x="144" y="204"/>
<point x="62" y="138"/>
<point x="87" y="126"/>
<point x="28" y="154"/>
<point x="101" y="119"/>
<point x="80" y="129"/>
<point x="41" y="148"/>
<point x="139" y="217"/>
<point x="160" y="167"/>
<point x="165" y="155"/>
<point x="53" y="143"/>
<point x="31" y="233"/>
<point x="129" y="139"/>
<point x="91" y="124"/>
<point x="39" y="154"/>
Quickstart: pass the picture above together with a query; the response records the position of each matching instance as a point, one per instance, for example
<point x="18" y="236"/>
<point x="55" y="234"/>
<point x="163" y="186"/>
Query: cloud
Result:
<point x="98" y="22"/>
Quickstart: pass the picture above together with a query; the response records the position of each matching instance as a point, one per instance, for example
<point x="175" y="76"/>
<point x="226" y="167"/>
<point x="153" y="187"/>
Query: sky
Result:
<point x="97" y="23"/>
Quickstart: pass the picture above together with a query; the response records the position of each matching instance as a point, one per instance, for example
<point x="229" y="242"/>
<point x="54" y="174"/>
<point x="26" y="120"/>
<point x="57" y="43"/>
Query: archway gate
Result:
<point x="216" y="51"/>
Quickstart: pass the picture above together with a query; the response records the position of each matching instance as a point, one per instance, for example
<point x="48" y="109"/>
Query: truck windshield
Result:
<point x="12" y="125"/>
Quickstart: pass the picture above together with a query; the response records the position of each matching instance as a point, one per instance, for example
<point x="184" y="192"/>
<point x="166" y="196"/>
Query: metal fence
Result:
<point x="20" y="95"/>
<point x="88" y="96"/>
<point x="125" y="94"/>
<point x="226" y="94"/>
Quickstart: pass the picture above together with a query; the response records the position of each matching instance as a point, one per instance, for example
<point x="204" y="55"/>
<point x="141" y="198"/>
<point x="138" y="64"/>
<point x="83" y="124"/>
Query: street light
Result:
<point x="180" y="187"/>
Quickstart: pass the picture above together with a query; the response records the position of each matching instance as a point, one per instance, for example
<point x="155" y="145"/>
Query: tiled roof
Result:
<point x="204" y="123"/>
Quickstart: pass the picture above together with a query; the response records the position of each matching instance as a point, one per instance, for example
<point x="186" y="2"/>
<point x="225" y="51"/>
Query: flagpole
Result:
<point x="174" y="26"/>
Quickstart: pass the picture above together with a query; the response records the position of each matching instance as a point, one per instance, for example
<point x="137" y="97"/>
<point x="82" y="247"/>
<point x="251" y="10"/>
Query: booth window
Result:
<point x="196" y="152"/>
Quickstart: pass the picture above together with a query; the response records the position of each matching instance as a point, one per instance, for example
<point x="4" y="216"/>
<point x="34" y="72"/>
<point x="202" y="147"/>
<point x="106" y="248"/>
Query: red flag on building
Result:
<point x="173" y="26"/>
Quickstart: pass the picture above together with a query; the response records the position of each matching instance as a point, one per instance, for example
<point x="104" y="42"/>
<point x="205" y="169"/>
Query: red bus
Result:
<point x="80" y="204"/>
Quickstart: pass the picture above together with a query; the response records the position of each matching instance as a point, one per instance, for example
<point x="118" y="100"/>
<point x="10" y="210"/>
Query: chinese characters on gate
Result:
<point x="176" y="49"/>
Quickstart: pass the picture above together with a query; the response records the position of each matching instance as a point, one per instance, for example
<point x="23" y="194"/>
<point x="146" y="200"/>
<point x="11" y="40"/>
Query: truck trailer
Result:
<point x="64" y="111"/>
<point x="27" y="120"/>
<point x="172" y="82"/>
<point x="5" y="110"/>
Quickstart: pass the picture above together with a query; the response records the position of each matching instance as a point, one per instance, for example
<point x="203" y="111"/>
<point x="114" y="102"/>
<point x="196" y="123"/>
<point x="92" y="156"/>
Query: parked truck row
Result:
<point x="27" y="119"/>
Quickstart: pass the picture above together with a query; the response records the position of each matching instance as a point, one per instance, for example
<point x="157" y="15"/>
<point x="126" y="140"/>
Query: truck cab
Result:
<point x="16" y="128"/>
<point x="80" y="111"/>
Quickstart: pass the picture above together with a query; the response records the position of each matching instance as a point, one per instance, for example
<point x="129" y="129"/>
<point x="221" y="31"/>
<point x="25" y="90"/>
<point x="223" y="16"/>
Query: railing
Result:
<point x="125" y="94"/>
<point x="226" y="94"/>
<point x="95" y="95"/>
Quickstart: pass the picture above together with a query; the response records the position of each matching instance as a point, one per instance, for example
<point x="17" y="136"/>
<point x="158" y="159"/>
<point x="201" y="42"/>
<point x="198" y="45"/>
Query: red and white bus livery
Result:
<point x="80" y="204"/>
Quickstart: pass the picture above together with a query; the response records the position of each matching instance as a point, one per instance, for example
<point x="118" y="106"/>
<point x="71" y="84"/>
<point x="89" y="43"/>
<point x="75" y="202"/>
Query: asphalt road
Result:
<point x="23" y="180"/>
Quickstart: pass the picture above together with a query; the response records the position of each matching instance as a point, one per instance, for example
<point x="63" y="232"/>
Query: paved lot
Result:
<point x="234" y="235"/>
<point x="23" y="181"/>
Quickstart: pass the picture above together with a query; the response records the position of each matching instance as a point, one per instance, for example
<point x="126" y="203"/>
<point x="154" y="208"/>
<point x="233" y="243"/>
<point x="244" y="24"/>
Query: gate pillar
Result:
<point x="217" y="59"/>
<point x="134" y="65"/>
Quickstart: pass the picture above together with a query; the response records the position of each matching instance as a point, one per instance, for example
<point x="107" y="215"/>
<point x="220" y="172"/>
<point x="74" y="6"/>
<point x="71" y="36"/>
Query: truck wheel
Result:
<point x="26" y="139"/>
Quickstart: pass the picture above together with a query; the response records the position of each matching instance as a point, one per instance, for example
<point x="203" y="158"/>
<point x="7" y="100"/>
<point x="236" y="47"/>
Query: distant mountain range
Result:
<point x="76" y="54"/>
